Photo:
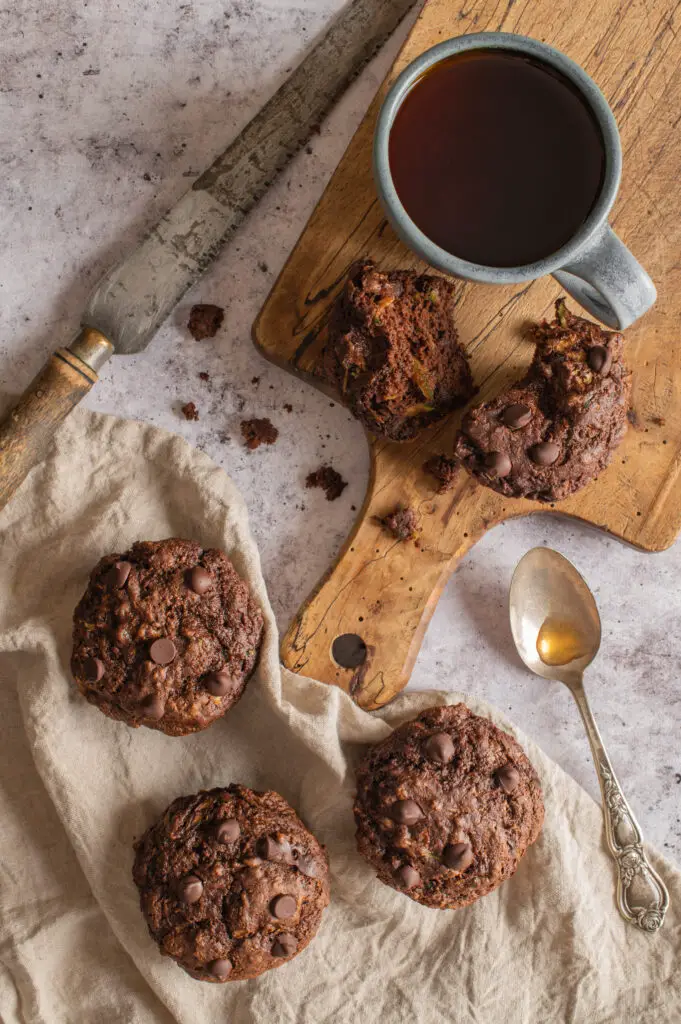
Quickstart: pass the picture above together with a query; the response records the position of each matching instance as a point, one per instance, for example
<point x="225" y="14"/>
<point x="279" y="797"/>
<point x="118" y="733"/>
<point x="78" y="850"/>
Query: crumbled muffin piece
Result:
<point x="443" y="469"/>
<point x="258" y="431"/>
<point x="205" y="320"/>
<point x="331" y="482"/>
<point x="555" y="430"/>
<point x="393" y="351"/>
<point x="189" y="411"/>
<point x="402" y="523"/>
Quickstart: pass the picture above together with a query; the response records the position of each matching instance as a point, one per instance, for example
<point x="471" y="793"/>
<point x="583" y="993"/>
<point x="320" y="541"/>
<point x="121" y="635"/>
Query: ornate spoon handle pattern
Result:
<point x="642" y="897"/>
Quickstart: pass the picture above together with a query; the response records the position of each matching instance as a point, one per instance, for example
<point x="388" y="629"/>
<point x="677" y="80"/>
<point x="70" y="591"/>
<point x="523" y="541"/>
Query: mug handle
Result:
<point x="608" y="281"/>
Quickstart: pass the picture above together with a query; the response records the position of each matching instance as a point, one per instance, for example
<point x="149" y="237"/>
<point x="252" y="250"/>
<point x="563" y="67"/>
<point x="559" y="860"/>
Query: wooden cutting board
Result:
<point x="385" y="591"/>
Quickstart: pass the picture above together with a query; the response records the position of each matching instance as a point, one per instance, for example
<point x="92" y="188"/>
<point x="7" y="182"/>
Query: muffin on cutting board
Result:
<point x="393" y="351"/>
<point x="166" y="635"/>
<point x="555" y="430"/>
<point x="446" y="807"/>
<point x="231" y="883"/>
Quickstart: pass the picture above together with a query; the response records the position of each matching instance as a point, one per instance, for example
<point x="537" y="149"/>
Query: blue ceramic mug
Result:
<point x="594" y="266"/>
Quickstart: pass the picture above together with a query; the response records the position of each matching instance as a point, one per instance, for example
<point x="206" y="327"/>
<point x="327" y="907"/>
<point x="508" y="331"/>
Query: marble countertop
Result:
<point x="109" y="111"/>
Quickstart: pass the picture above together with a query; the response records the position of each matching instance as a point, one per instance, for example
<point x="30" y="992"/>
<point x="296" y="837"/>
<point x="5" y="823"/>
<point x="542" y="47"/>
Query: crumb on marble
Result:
<point x="258" y="431"/>
<point x="331" y="482"/>
<point x="189" y="411"/>
<point x="205" y="320"/>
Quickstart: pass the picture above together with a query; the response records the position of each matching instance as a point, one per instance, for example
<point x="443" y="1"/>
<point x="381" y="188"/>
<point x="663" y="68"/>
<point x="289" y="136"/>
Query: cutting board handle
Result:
<point x="381" y="592"/>
<point x="28" y="428"/>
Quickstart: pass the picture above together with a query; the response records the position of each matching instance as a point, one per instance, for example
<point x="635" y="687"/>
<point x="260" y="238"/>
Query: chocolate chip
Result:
<point x="457" y="856"/>
<point x="227" y="831"/>
<point x="219" y="683"/>
<point x="117" y="575"/>
<point x="93" y="669"/>
<point x="220" y="968"/>
<point x="600" y="359"/>
<point x="282" y="907"/>
<point x="498" y="463"/>
<point x="153" y="707"/>
<point x="407" y="877"/>
<point x="306" y="865"/>
<point x="545" y="453"/>
<point x="508" y="777"/>
<point x="517" y="415"/>
<point x="199" y="580"/>
<point x="439" y="747"/>
<point x="406" y="812"/>
<point x="270" y="849"/>
<point x="189" y="889"/>
<point x="163" y="651"/>
<point x="284" y="944"/>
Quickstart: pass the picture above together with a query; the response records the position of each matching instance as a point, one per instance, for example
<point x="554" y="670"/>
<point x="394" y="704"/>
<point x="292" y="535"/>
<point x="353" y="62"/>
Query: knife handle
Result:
<point x="28" y="428"/>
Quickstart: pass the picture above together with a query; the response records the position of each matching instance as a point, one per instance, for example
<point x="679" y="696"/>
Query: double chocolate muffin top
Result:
<point x="166" y="635"/>
<point x="393" y="352"/>
<point x="556" y="429"/>
<point x="446" y="806"/>
<point x="231" y="883"/>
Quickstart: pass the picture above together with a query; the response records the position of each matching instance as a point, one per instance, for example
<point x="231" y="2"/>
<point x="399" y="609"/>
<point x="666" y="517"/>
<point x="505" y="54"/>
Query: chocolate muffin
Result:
<point x="556" y="429"/>
<point x="393" y="351"/>
<point x="446" y="806"/>
<point x="166" y="635"/>
<point x="231" y="883"/>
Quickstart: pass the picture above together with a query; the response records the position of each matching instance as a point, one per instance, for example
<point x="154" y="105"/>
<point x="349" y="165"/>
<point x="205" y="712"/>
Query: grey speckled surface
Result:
<point x="108" y="111"/>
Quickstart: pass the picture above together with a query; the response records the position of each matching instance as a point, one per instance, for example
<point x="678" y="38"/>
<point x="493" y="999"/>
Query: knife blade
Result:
<point x="134" y="298"/>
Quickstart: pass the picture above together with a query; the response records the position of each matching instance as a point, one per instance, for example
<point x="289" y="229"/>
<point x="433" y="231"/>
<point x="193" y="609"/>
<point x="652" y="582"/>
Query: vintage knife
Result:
<point x="133" y="299"/>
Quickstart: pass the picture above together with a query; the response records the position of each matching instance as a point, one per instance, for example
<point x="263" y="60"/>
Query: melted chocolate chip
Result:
<point x="227" y="831"/>
<point x="508" y="777"/>
<point x="199" y="580"/>
<point x="600" y="359"/>
<point x="219" y="683"/>
<point x="283" y="907"/>
<point x="407" y="877"/>
<point x="93" y="669"/>
<point x="189" y="889"/>
<point x="498" y="463"/>
<point x="406" y="812"/>
<point x="117" y="575"/>
<point x="545" y="453"/>
<point x="457" y="856"/>
<point x="516" y="415"/>
<point x="220" y="968"/>
<point x="284" y="945"/>
<point x="153" y="707"/>
<point x="272" y="849"/>
<point x="439" y="747"/>
<point x="163" y="651"/>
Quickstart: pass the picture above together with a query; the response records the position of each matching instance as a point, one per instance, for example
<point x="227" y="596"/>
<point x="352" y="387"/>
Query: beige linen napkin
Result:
<point x="76" y="788"/>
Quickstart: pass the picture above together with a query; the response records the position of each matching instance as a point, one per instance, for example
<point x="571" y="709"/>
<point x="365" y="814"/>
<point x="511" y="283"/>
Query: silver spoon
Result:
<point x="557" y="630"/>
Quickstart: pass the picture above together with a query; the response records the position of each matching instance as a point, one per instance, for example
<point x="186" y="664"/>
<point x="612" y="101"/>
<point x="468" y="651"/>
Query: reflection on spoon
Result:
<point x="559" y="642"/>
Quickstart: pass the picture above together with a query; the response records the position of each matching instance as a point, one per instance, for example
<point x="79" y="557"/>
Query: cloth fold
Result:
<point x="76" y="789"/>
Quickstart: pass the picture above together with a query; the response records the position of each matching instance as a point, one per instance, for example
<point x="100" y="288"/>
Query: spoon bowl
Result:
<point x="551" y="607"/>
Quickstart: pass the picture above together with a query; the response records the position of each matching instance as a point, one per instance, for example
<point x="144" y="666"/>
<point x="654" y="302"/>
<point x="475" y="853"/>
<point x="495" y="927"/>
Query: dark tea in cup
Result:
<point x="496" y="157"/>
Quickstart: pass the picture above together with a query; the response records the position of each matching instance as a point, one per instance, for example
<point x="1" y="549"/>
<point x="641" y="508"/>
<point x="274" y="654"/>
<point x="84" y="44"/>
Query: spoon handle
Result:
<point x="642" y="897"/>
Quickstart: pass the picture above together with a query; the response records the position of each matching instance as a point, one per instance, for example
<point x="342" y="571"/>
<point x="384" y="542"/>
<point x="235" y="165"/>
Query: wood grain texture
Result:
<point x="28" y="428"/>
<point x="387" y="591"/>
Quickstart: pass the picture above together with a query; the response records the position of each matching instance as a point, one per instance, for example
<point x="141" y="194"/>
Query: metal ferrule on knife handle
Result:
<point x="29" y="427"/>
